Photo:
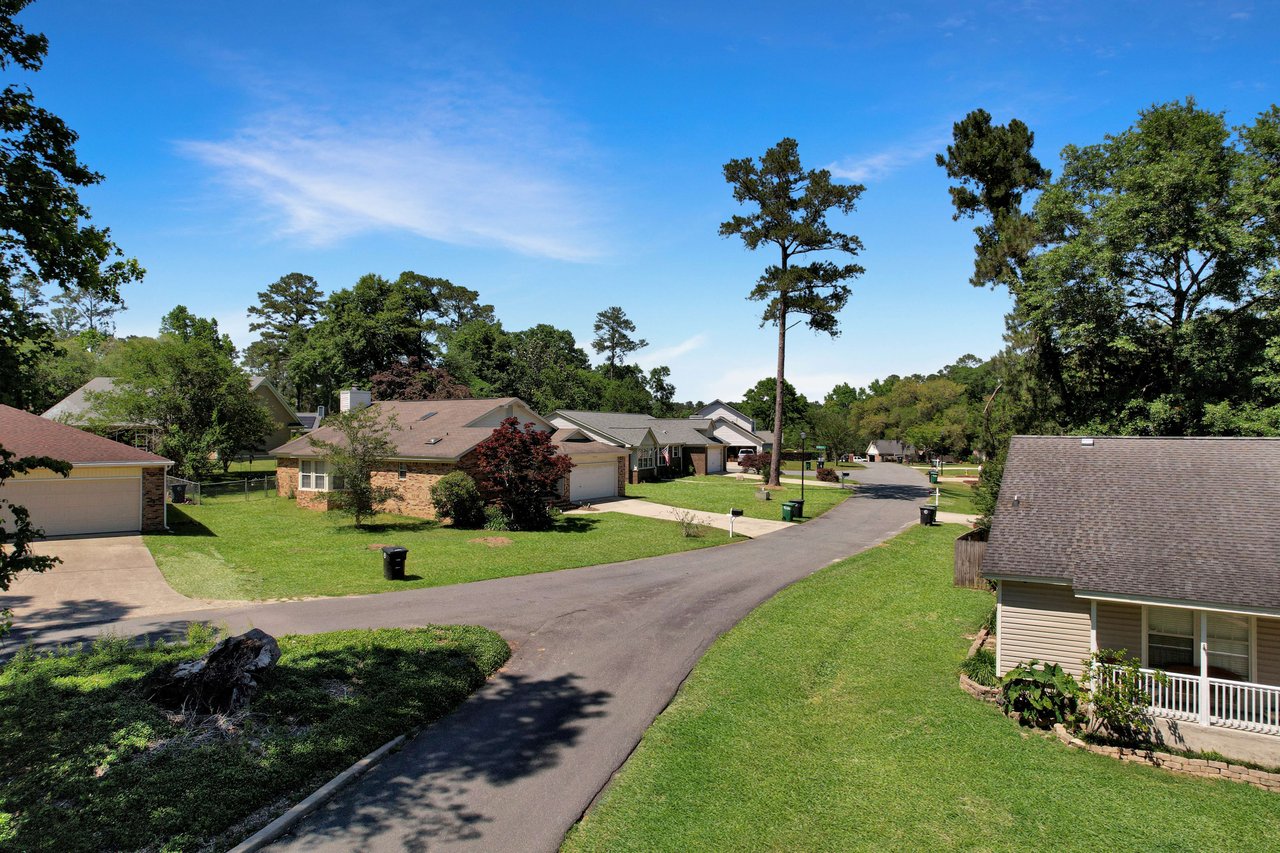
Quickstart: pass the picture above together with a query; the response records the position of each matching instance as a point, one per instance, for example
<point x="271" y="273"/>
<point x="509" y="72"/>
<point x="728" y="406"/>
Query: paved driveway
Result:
<point x="744" y="526"/>
<point x="100" y="579"/>
<point x="597" y="653"/>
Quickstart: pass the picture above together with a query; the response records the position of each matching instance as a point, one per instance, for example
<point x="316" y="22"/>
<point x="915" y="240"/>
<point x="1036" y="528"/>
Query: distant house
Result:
<point x="733" y="428"/>
<point x="656" y="447"/>
<point x="113" y="487"/>
<point x="890" y="450"/>
<point x="1165" y="548"/>
<point x="435" y="437"/>
<point x="76" y="409"/>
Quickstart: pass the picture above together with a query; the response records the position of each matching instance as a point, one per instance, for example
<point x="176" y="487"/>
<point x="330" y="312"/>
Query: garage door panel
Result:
<point x="593" y="480"/>
<point x="68" y="507"/>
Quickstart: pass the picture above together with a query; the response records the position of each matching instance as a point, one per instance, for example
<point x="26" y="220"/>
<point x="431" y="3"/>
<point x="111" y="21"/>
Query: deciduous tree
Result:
<point x="520" y="471"/>
<point x="365" y="444"/>
<point x="789" y="209"/>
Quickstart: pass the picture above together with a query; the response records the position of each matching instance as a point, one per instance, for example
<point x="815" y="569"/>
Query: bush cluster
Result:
<point x="828" y="475"/>
<point x="457" y="497"/>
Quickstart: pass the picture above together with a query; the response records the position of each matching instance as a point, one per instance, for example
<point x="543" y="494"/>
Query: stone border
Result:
<point x="1201" y="767"/>
<point x="322" y="795"/>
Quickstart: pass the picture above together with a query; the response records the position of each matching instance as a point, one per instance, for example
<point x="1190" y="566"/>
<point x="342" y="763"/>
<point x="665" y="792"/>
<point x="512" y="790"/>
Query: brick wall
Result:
<point x="152" y="499"/>
<point x="698" y="456"/>
<point x="623" y="468"/>
<point x="415" y="488"/>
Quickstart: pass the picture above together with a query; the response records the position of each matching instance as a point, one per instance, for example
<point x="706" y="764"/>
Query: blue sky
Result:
<point x="564" y="157"/>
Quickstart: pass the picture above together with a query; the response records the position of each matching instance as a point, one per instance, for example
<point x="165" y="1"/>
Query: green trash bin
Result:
<point x="933" y="475"/>
<point x="788" y="511"/>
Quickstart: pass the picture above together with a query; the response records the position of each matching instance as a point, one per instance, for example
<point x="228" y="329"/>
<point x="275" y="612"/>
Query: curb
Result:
<point x="323" y="794"/>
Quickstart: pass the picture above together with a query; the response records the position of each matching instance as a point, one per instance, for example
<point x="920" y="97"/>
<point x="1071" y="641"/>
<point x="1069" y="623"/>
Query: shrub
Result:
<point x="456" y="497"/>
<point x="494" y="520"/>
<point x="828" y="475"/>
<point x="1041" y="694"/>
<point x="981" y="667"/>
<point x="1117" y="696"/>
<point x="755" y="462"/>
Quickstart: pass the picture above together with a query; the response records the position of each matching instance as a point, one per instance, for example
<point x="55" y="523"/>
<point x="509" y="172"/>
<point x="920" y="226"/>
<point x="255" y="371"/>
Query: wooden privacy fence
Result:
<point x="970" y="549"/>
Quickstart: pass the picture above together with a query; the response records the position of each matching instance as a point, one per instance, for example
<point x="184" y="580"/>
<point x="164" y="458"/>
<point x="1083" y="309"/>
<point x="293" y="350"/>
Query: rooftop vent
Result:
<point x="433" y="441"/>
<point x="427" y="415"/>
<point x="1086" y="442"/>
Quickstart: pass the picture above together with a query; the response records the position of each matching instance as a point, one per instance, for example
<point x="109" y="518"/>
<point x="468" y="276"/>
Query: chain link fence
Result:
<point x="180" y="491"/>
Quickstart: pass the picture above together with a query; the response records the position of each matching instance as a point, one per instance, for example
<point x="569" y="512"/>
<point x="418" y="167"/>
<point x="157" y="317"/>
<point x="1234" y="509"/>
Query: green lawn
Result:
<point x="830" y="719"/>
<point x="844" y="466"/>
<point x="87" y="763"/>
<point x="270" y="548"/>
<point x="955" y="497"/>
<point x="720" y="494"/>
<point x="263" y="466"/>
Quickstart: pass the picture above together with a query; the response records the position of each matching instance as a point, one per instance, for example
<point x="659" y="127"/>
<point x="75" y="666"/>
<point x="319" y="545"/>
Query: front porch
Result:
<point x="1208" y="701"/>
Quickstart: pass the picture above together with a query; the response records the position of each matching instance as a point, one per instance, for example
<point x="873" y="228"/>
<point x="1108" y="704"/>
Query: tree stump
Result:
<point x="224" y="680"/>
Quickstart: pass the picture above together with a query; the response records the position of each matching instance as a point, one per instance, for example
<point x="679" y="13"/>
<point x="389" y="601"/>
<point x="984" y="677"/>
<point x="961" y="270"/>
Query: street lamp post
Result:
<point x="803" y="464"/>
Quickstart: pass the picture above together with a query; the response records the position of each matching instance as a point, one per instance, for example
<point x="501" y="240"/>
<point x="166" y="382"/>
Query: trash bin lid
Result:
<point x="394" y="549"/>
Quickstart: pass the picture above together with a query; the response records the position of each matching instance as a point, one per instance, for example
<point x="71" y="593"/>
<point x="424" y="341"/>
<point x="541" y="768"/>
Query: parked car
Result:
<point x="858" y="459"/>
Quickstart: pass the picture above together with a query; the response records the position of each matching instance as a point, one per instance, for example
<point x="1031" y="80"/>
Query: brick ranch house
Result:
<point x="432" y="439"/>
<point x="1167" y="549"/>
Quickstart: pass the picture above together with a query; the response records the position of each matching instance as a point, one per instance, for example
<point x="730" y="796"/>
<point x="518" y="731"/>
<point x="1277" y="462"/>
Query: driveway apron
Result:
<point x="598" y="653"/>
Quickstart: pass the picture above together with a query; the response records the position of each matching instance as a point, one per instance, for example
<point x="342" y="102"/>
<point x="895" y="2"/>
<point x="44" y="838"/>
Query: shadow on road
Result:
<point x="893" y="491"/>
<point x="512" y="728"/>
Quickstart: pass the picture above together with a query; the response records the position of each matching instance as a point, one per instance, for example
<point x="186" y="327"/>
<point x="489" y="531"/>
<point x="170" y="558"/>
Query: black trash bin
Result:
<point x="178" y="492"/>
<point x="928" y="515"/>
<point x="393" y="557"/>
<point x="798" y="509"/>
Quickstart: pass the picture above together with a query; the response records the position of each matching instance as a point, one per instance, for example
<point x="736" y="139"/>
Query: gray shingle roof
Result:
<point x="1180" y="519"/>
<point x="630" y="427"/>
<point x="75" y="408"/>
<point x="427" y="429"/>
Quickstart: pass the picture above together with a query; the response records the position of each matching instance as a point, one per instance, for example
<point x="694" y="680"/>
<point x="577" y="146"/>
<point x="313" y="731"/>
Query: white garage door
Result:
<point x="590" y="480"/>
<point x="715" y="460"/>
<point x="67" y="507"/>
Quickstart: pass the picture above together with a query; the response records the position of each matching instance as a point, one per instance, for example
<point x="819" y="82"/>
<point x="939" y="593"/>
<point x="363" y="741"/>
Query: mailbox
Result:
<point x="735" y="513"/>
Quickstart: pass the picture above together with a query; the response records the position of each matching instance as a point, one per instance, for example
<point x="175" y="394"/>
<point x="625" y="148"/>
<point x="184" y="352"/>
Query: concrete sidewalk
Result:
<point x="752" y="527"/>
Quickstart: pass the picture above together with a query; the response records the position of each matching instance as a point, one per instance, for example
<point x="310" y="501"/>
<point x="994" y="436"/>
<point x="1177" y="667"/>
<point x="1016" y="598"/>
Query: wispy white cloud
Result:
<point x="462" y="166"/>
<point x="662" y="355"/>
<point x="875" y="167"/>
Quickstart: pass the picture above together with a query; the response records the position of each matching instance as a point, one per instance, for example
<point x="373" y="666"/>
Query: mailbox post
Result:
<point x="733" y="513"/>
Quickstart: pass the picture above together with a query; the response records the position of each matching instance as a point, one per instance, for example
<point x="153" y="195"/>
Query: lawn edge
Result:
<point x="317" y="798"/>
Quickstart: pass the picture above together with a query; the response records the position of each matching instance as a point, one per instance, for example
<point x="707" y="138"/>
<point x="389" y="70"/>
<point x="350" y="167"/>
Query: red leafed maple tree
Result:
<point x="519" y="470"/>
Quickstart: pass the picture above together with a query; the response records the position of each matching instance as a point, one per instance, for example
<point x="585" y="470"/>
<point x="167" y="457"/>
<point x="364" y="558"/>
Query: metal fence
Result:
<point x="212" y="494"/>
<point x="180" y="491"/>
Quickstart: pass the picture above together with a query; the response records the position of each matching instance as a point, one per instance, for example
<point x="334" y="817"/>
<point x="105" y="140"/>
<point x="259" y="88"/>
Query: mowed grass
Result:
<point x="271" y="548"/>
<point x="260" y="467"/>
<point x="88" y="763"/>
<point x="720" y="494"/>
<point x="954" y="497"/>
<point x="830" y="719"/>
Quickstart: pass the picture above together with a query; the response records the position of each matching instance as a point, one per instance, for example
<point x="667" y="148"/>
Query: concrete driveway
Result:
<point x="744" y="526"/>
<point x="100" y="579"/>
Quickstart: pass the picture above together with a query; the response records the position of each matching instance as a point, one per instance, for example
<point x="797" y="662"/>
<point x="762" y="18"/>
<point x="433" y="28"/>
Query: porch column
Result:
<point x="1204" y="668"/>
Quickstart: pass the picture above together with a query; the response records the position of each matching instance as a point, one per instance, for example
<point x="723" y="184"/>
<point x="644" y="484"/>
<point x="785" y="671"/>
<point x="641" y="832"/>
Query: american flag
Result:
<point x="666" y="455"/>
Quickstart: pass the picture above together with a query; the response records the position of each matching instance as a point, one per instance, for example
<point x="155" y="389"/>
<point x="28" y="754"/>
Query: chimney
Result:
<point x="351" y="399"/>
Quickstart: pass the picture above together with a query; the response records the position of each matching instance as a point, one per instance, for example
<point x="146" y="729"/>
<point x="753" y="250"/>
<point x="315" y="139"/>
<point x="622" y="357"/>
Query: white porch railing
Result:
<point x="1239" y="705"/>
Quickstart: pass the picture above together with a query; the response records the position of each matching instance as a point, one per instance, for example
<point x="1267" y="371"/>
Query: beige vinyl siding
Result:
<point x="1120" y="627"/>
<point x="1268" y="650"/>
<point x="1042" y="622"/>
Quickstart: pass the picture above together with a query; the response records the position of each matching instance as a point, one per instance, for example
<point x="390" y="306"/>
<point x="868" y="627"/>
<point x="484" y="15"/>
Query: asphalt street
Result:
<point x="598" y="653"/>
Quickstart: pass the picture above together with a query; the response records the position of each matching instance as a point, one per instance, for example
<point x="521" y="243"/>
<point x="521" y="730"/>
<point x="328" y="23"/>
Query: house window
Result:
<point x="1228" y="639"/>
<point x="1170" y="638"/>
<point x="403" y="473"/>
<point x="313" y="476"/>
<point x="671" y="457"/>
<point x="647" y="457"/>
